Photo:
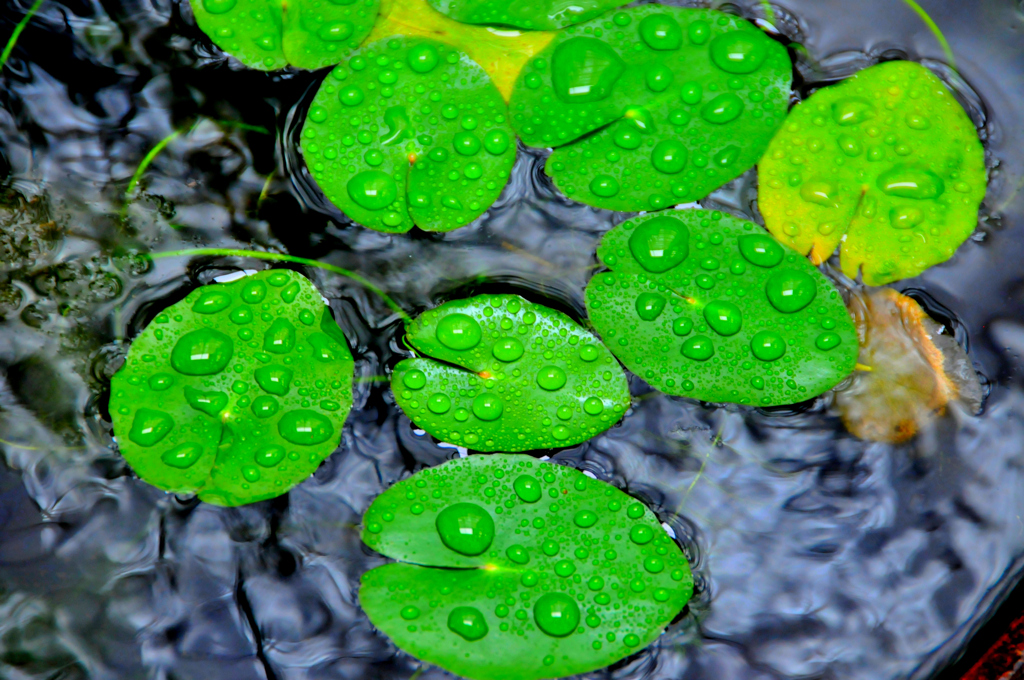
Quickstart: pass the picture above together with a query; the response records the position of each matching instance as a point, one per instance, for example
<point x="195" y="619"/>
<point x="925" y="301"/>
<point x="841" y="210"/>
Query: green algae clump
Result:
<point x="704" y="305"/>
<point x="236" y="393"/>
<point x="512" y="567"/>
<point x="885" y="166"/>
<point x="504" y="374"/>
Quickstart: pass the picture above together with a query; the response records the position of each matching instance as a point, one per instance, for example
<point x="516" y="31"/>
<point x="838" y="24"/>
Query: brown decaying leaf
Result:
<point x="911" y="370"/>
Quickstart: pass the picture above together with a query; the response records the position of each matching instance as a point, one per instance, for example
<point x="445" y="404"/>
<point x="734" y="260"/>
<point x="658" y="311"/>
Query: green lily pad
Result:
<point x="237" y="392"/>
<point x="504" y="374"/>
<point x="886" y="164"/>
<point x="514" y="568"/>
<point x="652" y="106"/>
<point x="272" y="34"/>
<point x="534" y="15"/>
<point x="409" y="131"/>
<point x="707" y="306"/>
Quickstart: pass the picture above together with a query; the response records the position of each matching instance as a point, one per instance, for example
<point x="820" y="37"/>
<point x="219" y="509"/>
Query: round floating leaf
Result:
<point x="237" y="392"/>
<point x="544" y="572"/>
<point x="529" y="14"/>
<point x="409" y="131"/>
<point x="652" y="106"/>
<point x="711" y="307"/>
<point x="504" y="374"/>
<point x="271" y="34"/>
<point x="887" y="164"/>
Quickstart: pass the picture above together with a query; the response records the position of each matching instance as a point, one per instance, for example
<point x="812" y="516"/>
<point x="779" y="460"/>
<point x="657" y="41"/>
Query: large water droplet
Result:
<point x="767" y="345"/>
<point x="373" y="189"/>
<point x="604" y="186"/>
<point x="661" y="32"/>
<point x="819" y="192"/>
<point x="905" y="217"/>
<point x="585" y="518"/>
<point x="439" y="403"/>
<point x="507" y="349"/>
<point x="274" y="379"/>
<point x="699" y="348"/>
<point x="182" y="456"/>
<point x="649" y="306"/>
<point x="660" y="244"/>
<point x="218" y="6"/>
<point x="210" y="403"/>
<point x="280" y="337"/>
<point x="761" y="250"/>
<point x="556" y="614"/>
<point x="585" y="70"/>
<point x="150" y="426"/>
<point x="641" y="534"/>
<point x="264" y="406"/>
<point x="739" y="51"/>
<point x="467" y="622"/>
<point x="465" y="528"/>
<point x="269" y="456"/>
<point x="527" y="488"/>
<point x="212" y="302"/>
<point x="790" y="290"/>
<point x="335" y="32"/>
<point x="907" y="182"/>
<point x="422" y="58"/>
<point x="551" y="378"/>
<point x="458" y="331"/>
<point x="852" y="111"/>
<point x="414" y="379"/>
<point x="724" y="318"/>
<point x="487" y="407"/>
<point x="517" y="554"/>
<point x="669" y="157"/>
<point x="722" y="109"/>
<point x="305" y="427"/>
<point x="827" y="341"/>
<point x="202" y="352"/>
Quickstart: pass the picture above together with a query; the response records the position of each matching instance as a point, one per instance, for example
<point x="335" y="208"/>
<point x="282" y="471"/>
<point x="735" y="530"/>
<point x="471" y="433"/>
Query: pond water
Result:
<point x="817" y="555"/>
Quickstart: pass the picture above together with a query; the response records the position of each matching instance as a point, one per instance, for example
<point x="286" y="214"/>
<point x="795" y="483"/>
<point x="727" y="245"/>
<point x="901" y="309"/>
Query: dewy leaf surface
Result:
<point x="504" y="374"/>
<point x="409" y="131"/>
<point x="545" y="572"/>
<point x="501" y="53"/>
<point x="528" y="14"/>
<point x="272" y="34"/>
<point x="708" y="306"/>
<point x="886" y="164"/>
<point x="237" y="392"/>
<point x="652" y="106"/>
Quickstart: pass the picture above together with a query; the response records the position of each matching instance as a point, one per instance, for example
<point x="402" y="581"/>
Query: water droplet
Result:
<point x="373" y="189"/>
<point x="465" y="528"/>
<point x="458" y="332"/>
<point x="641" y="534"/>
<point x="682" y="326"/>
<point x="726" y="156"/>
<point x="852" y="111"/>
<point x="351" y="96"/>
<point x="160" y="381"/>
<point x="635" y="510"/>
<point x="699" y="31"/>
<point x="150" y="426"/>
<point x="659" y="78"/>
<point x="517" y="554"/>
<point x="907" y="182"/>
<point x="507" y="349"/>
<point x="466" y="143"/>
<point x="467" y="622"/>
<point x="593" y="406"/>
<point x="827" y="341"/>
<point x="270" y="456"/>
<point x="739" y="51"/>
<point x="422" y="58"/>
<point x="767" y="346"/>
<point x="761" y="250"/>
<point x="631" y="640"/>
<point x="790" y="291"/>
<point x="565" y="568"/>
<point x="202" y="352"/>
<point x="274" y="379"/>
<point x="661" y="32"/>
<point x="439" y="404"/>
<point x="585" y="70"/>
<point x="335" y="32"/>
<point x="724" y="318"/>
<point x="916" y="121"/>
<point x="551" y="378"/>
<point x="212" y="302"/>
<point x="585" y="518"/>
<point x="210" y="403"/>
<point x="905" y="217"/>
<point x="588" y="353"/>
<point x="820" y="193"/>
<point x="218" y="6"/>
<point x="410" y="612"/>
<point x="496" y="142"/>
<point x="650" y="305"/>
<point x="414" y="379"/>
<point x="280" y="337"/>
<point x="264" y="406"/>
<point x="699" y="348"/>
<point x="556" y="614"/>
<point x="627" y="136"/>
<point x="487" y="407"/>
<point x="654" y="565"/>
<point x="850" y="146"/>
<point x="253" y="293"/>
<point x="305" y="427"/>
<point x="604" y="186"/>
<point x="659" y="244"/>
<point x="669" y="157"/>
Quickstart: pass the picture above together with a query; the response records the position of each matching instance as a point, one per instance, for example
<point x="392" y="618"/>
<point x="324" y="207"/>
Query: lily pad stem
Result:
<point x="13" y="40"/>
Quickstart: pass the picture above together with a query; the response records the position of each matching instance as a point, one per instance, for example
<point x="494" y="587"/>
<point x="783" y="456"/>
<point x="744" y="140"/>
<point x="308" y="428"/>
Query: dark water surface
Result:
<point x="818" y="555"/>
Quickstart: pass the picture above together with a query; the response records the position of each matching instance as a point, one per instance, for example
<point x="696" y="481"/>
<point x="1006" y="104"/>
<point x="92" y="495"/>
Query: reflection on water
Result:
<point x="818" y="555"/>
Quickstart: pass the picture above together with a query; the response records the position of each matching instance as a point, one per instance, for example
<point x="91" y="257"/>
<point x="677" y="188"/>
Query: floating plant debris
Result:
<point x="528" y="14"/>
<point x="704" y="305"/>
<point x="409" y="131"/>
<point x="514" y="568"/>
<point x="652" y="106"/>
<point x="272" y="34"/>
<point x="237" y="392"/>
<point x="886" y="165"/>
<point x="504" y="374"/>
<point x="912" y="370"/>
